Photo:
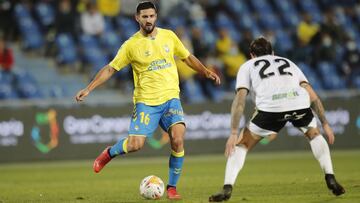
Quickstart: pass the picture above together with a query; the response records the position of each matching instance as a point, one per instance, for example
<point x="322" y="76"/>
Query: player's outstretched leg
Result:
<point x="123" y="146"/>
<point x="333" y="185"/>
<point x="223" y="195"/>
<point x="102" y="160"/>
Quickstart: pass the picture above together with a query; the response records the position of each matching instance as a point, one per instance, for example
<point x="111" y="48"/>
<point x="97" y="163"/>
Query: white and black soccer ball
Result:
<point x="152" y="187"/>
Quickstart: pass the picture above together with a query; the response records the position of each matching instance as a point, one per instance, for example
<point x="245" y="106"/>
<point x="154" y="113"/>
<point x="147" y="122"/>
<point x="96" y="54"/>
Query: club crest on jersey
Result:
<point x="166" y="48"/>
<point x="147" y="53"/>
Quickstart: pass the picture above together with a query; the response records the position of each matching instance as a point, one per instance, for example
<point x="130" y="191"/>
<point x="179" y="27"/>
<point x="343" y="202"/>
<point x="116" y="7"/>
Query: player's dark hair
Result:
<point x="145" y="5"/>
<point x="260" y="47"/>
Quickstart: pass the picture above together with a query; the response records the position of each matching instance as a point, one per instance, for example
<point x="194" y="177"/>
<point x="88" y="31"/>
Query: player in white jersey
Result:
<point x="282" y="94"/>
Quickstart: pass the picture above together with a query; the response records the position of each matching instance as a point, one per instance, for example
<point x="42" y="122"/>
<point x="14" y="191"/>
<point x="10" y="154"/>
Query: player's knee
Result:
<point x="312" y="132"/>
<point x="177" y="140"/>
<point x="177" y="143"/>
<point x="134" y="145"/>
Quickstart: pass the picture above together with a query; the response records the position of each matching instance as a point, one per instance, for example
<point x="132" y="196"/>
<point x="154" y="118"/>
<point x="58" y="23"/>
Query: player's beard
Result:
<point x="148" y="28"/>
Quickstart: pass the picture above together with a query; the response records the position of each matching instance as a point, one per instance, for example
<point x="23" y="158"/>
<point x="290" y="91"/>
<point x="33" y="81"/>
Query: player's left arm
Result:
<point x="317" y="106"/>
<point x="191" y="60"/>
<point x="196" y="65"/>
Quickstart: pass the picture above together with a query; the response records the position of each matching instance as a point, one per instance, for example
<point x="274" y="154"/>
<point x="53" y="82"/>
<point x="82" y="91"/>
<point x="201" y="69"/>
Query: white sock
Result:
<point x="321" y="151"/>
<point x="234" y="164"/>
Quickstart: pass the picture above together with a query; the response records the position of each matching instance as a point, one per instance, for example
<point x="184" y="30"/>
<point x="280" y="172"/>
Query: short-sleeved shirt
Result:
<point x="274" y="83"/>
<point x="152" y="59"/>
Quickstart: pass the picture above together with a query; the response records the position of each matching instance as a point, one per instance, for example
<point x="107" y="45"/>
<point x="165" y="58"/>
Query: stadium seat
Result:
<point x="108" y="25"/>
<point x="6" y="77"/>
<point x="66" y="49"/>
<point x="7" y="91"/>
<point x="112" y="42"/>
<point x="209" y="35"/>
<point x="174" y="22"/>
<point x="32" y="37"/>
<point x="92" y="53"/>
<point x="331" y="79"/>
<point x="283" y="41"/>
<point x="28" y="90"/>
<point x="310" y="74"/>
<point x="270" y="21"/>
<point x="21" y="12"/>
<point x="261" y="6"/>
<point x="127" y="26"/>
<point x="45" y="13"/>
<point x="237" y="6"/>
<point x="191" y="91"/>
<point x="356" y="81"/>
<point x="223" y="20"/>
<point x="288" y="13"/>
<point x="311" y="6"/>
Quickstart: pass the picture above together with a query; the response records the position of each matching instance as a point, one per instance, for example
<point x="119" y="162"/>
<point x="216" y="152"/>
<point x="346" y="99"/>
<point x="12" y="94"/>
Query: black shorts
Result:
<point x="275" y="121"/>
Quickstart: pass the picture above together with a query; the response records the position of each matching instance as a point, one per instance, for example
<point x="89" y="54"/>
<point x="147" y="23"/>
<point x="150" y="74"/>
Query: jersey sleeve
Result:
<point x="122" y="58"/>
<point x="243" y="77"/>
<point x="179" y="48"/>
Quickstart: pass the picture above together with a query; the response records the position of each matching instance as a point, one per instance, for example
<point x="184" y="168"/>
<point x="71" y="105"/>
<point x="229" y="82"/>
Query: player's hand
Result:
<point x="80" y="96"/>
<point x="329" y="133"/>
<point x="213" y="76"/>
<point x="230" y="144"/>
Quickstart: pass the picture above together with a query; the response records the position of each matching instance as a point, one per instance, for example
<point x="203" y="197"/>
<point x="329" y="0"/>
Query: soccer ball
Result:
<point x="152" y="187"/>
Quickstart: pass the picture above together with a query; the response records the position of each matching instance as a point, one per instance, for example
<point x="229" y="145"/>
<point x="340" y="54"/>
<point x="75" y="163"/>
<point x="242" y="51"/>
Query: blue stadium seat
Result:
<point x="288" y="12"/>
<point x="7" y="91"/>
<point x="45" y="13"/>
<point x="32" y="37"/>
<point x="237" y="6"/>
<point x="283" y="41"/>
<point x="6" y="77"/>
<point x="215" y="93"/>
<point x="270" y="21"/>
<point x="191" y="90"/>
<point x="23" y="76"/>
<point x="261" y="6"/>
<point x="331" y="79"/>
<point x="21" y="12"/>
<point x="92" y="53"/>
<point x="356" y="81"/>
<point x="67" y="52"/>
<point x="305" y="68"/>
<point x="311" y="7"/>
<point x="326" y="68"/>
<point x="174" y="22"/>
<point x="223" y="20"/>
<point x="127" y="26"/>
<point x="112" y="42"/>
<point x="108" y="25"/>
<point x="28" y="90"/>
<point x="209" y="35"/>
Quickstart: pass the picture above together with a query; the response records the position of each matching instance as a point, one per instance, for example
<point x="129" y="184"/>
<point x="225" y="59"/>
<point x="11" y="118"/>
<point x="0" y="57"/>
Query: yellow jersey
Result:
<point x="152" y="60"/>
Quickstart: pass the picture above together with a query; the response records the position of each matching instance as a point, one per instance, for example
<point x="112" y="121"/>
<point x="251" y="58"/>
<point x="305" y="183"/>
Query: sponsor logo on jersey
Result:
<point x="286" y="95"/>
<point x="158" y="65"/>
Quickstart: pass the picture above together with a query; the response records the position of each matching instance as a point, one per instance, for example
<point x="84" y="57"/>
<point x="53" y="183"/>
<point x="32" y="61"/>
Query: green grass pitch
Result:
<point x="266" y="177"/>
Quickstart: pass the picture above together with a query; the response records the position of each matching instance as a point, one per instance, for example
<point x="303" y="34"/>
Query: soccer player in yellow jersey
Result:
<point x="151" y="53"/>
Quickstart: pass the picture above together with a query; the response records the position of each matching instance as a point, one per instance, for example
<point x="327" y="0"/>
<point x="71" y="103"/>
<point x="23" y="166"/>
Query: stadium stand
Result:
<point x="322" y="59"/>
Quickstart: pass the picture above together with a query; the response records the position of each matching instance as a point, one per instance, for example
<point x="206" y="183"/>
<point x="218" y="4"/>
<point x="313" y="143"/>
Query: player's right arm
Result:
<point x="317" y="106"/>
<point x="237" y="110"/>
<point x="121" y="59"/>
<point x="238" y="106"/>
<point x="103" y="75"/>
